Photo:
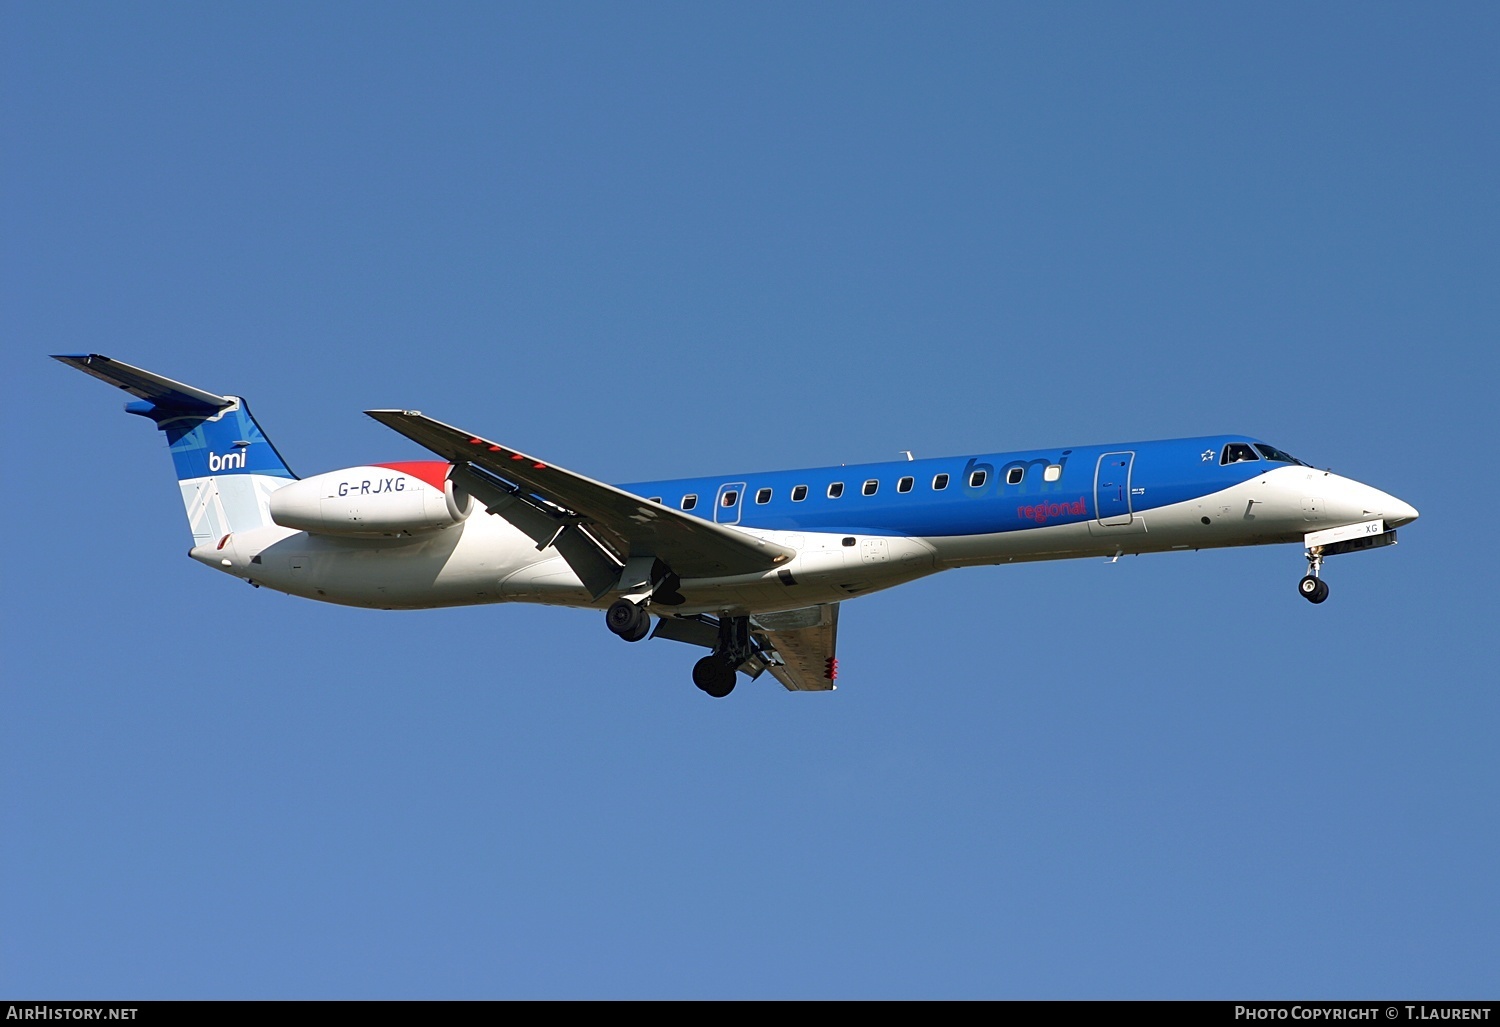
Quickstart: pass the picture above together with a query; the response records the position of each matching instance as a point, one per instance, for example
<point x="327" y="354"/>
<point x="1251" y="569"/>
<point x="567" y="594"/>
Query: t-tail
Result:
<point x="226" y="466"/>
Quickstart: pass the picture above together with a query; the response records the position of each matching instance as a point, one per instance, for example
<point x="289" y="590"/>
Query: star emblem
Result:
<point x="1208" y="455"/>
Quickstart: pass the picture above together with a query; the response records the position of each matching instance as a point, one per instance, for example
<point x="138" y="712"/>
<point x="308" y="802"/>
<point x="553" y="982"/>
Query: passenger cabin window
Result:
<point x="835" y="490"/>
<point x="1276" y="455"/>
<point x="905" y="484"/>
<point x="1238" y="453"/>
<point x="1052" y="473"/>
<point x="977" y="479"/>
<point x="689" y="501"/>
<point x="871" y="487"/>
<point x="730" y="498"/>
<point x="939" y="482"/>
<point x="653" y="499"/>
<point x="1014" y="475"/>
<point x="763" y="497"/>
<point x="799" y="493"/>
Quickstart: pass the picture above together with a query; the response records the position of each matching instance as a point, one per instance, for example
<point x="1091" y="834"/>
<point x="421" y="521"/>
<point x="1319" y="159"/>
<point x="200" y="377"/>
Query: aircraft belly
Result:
<point x="824" y="571"/>
<point x="456" y="566"/>
<point x="549" y="581"/>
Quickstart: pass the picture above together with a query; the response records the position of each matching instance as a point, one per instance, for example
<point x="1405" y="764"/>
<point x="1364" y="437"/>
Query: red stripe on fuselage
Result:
<point x="433" y="472"/>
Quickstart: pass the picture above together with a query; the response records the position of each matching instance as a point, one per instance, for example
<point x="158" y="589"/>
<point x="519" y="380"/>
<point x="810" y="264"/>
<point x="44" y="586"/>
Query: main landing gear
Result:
<point x="628" y="620"/>
<point x="629" y="617"/>
<point x="1313" y="588"/>
<point x="716" y="674"/>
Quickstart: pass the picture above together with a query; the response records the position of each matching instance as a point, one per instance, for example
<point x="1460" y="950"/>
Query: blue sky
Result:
<point x="654" y="240"/>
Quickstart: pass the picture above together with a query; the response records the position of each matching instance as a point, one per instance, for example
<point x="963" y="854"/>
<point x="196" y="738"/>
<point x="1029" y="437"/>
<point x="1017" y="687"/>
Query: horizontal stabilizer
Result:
<point x="163" y="392"/>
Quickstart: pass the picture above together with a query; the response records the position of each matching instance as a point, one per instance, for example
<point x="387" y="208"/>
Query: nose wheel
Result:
<point x="1313" y="588"/>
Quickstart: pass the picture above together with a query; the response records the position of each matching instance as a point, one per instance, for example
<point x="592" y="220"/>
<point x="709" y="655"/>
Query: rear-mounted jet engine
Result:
<point x="368" y="502"/>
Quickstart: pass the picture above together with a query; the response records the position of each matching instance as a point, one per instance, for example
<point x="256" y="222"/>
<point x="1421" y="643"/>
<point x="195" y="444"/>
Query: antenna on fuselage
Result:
<point x="906" y="453"/>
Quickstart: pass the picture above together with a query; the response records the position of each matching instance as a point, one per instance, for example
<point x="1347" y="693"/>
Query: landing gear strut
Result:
<point x="1313" y="588"/>
<point x="628" y="620"/>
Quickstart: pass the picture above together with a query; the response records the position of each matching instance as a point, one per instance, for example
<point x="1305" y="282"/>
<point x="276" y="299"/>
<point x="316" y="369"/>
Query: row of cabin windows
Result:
<point x="1014" y="476"/>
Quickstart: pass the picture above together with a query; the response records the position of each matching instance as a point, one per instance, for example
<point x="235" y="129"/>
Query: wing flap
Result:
<point x="635" y="526"/>
<point x="806" y="641"/>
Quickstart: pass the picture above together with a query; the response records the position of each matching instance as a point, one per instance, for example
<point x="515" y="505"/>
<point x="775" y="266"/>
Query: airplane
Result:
<point x="751" y="566"/>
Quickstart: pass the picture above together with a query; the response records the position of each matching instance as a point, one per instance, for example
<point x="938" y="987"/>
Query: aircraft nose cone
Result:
<point x="1398" y="513"/>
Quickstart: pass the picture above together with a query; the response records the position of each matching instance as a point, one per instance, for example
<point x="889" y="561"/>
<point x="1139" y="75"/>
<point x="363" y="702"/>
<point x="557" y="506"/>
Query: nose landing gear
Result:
<point x="1313" y="588"/>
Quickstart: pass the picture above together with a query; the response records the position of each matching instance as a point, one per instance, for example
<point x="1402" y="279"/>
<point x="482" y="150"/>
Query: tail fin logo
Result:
<point x="227" y="462"/>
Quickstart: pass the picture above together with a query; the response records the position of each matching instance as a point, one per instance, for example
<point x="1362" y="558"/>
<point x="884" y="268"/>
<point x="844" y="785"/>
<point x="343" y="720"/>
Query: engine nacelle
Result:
<point x="394" y="499"/>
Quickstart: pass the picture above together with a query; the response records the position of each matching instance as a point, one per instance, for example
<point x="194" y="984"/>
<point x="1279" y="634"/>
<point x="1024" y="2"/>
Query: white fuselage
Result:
<point x="483" y="559"/>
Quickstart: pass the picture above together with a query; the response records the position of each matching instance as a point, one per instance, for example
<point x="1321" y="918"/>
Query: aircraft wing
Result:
<point x="805" y="640"/>
<point x="633" y="526"/>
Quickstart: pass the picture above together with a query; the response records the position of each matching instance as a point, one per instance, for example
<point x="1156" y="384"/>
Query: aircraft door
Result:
<point x="728" y="502"/>
<point x="1112" y="488"/>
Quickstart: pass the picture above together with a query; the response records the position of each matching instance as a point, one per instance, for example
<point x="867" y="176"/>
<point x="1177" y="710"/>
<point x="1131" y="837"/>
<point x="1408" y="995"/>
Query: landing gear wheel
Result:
<point x="629" y="621"/>
<point x="714" y="675"/>
<point x="1314" y="590"/>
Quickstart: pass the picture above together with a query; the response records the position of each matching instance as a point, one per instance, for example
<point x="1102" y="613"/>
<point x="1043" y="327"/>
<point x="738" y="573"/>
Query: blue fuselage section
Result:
<point x="970" y="495"/>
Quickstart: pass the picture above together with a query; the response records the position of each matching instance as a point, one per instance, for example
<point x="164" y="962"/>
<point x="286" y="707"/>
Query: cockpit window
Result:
<point x="1276" y="455"/>
<point x="1238" y="453"/>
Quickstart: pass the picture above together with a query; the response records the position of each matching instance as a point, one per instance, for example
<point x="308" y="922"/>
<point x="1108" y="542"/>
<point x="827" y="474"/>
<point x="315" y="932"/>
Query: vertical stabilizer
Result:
<point x="226" y="467"/>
